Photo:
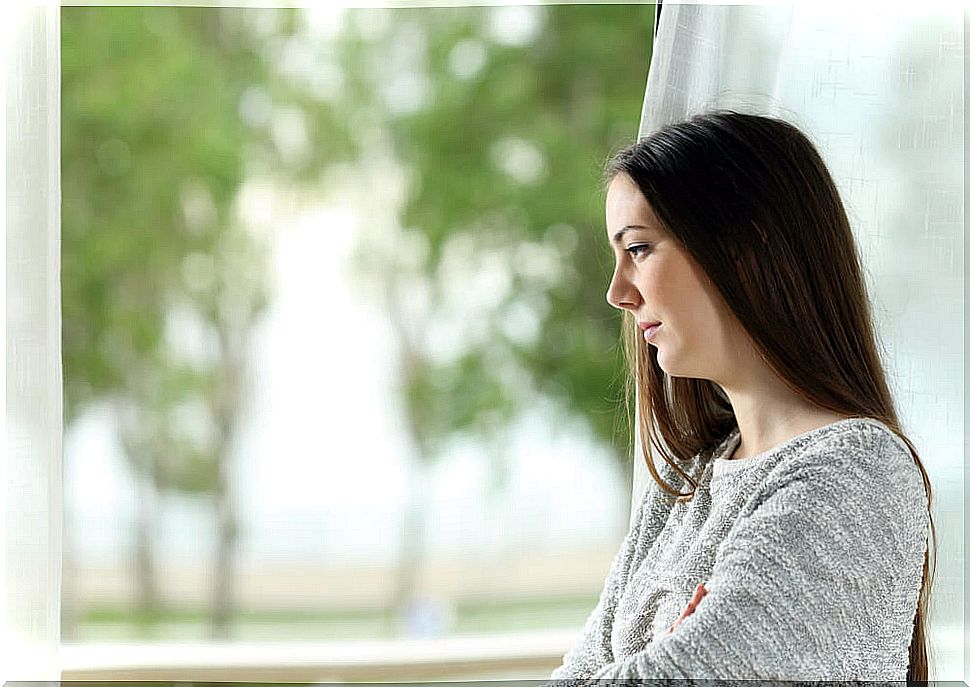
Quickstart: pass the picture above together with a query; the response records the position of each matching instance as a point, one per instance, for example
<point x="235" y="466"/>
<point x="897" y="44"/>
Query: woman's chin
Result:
<point x="670" y="367"/>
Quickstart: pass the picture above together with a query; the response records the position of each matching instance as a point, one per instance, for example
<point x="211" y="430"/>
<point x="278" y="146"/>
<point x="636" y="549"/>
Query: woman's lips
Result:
<point x="650" y="330"/>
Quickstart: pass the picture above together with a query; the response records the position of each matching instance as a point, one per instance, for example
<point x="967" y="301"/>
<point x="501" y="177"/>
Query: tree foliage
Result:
<point x="165" y="111"/>
<point x="505" y="165"/>
<point x="503" y="131"/>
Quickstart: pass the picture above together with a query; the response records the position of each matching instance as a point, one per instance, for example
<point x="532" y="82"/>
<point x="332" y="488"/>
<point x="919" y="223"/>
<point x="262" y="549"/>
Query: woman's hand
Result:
<point x="699" y="594"/>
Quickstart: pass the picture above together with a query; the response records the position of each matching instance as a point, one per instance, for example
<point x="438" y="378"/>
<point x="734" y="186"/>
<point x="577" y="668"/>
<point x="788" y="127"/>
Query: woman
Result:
<point x="799" y="550"/>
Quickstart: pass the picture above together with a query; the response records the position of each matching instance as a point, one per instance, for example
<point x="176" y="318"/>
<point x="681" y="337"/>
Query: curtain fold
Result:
<point x="880" y="92"/>
<point x="32" y="465"/>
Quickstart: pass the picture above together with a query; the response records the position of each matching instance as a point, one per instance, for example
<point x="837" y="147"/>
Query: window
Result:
<point x="323" y="326"/>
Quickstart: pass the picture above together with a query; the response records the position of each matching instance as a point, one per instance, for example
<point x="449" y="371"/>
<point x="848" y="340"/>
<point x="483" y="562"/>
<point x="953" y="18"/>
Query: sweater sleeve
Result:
<point x="594" y="650"/>
<point x="817" y="580"/>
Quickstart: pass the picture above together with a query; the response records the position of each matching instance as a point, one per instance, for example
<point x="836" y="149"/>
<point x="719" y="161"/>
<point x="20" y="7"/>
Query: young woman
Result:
<point x="800" y="549"/>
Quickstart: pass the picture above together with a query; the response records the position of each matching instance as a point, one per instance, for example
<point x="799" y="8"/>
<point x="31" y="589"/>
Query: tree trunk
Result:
<point x="222" y="593"/>
<point x="410" y="363"/>
<point x="146" y="527"/>
<point x="225" y="410"/>
<point x="143" y="461"/>
<point x="412" y="550"/>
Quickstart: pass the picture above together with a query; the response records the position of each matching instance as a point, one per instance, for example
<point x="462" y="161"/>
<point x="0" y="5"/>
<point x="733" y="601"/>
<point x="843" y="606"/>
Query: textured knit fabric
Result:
<point x="811" y="554"/>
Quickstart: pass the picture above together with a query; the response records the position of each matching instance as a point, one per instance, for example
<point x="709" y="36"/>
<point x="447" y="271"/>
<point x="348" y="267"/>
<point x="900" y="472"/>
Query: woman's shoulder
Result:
<point x="856" y="440"/>
<point x="858" y="452"/>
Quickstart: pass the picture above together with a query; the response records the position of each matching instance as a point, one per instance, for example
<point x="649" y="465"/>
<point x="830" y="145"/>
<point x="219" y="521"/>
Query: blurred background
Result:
<point x="338" y="362"/>
<point x="337" y="359"/>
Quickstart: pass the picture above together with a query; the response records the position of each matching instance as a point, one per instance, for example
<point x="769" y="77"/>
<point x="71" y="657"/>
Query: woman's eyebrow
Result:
<point x="618" y="235"/>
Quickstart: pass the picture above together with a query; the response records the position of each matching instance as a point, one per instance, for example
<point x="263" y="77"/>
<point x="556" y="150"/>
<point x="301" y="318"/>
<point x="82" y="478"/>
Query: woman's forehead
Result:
<point x="625" y="204"/>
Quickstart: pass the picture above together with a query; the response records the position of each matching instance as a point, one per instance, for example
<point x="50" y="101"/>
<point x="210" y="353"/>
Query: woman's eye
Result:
<point x="637" y="249"/>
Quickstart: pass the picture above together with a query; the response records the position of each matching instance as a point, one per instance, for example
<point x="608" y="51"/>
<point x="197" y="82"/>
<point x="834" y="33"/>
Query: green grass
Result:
<point x="122" y="623"/>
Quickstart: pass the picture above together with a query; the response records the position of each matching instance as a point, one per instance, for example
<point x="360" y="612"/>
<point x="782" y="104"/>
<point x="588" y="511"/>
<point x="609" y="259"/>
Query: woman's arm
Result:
<point x="817" y="580"/>
<point x="593" y="650"/>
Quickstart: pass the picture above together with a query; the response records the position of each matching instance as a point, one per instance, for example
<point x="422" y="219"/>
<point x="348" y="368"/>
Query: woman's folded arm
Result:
<point x="593" y="650"/>
<point x="815" y="581"/>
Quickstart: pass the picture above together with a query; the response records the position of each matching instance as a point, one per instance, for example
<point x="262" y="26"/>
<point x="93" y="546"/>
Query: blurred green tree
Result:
<point x="503" y="118"/>
<point x="154" y="257"/>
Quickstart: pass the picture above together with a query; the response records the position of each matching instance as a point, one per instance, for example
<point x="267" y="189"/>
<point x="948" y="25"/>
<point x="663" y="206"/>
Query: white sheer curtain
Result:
<point x="32" y="465"/>
<point x="880" y="91"/>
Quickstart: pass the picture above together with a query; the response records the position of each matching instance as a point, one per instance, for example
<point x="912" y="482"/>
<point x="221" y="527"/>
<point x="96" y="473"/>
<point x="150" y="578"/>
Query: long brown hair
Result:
<point x="750" y="199"/>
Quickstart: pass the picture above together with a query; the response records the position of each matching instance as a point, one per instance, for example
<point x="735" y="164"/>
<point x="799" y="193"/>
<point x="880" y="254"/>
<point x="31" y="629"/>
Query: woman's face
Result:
<point x="658" y="281"/>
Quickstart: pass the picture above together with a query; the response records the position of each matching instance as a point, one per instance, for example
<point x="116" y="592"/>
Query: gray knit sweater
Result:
<point x="811" y="554"/>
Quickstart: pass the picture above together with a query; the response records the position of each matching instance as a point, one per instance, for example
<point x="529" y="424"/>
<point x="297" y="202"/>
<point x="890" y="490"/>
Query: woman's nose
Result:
<point x="622" y="294"/>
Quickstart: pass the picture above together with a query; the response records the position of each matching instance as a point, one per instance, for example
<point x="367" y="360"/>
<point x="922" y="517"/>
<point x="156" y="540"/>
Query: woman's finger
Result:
<point x="699" y="593"/>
